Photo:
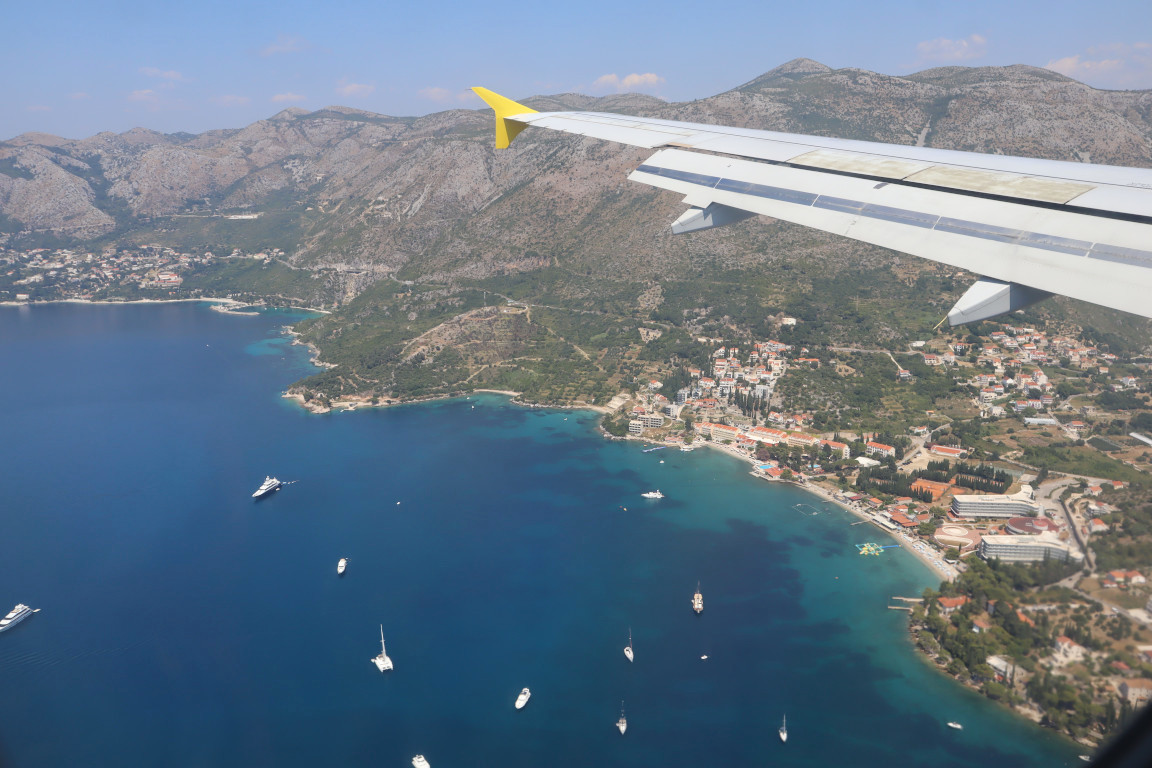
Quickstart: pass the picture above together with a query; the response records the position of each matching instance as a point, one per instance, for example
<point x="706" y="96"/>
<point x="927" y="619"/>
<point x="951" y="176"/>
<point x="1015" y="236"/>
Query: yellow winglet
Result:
<point x="506" y="129"/>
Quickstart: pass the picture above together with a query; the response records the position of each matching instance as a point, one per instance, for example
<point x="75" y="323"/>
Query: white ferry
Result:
<point x="343" y="566"/>
<point x="698" y="600"/>
<point x="653" y="494"/>
<point x="16" y="615"/>
<point x="784" y="729"/>
<point x="420" y="762"/>
<point x="382" y="662"/>
<point x="269" y="485"/>
<point x="522" y="699"/>
<point x="622" y="723"/>
<point x="628" y="648"/>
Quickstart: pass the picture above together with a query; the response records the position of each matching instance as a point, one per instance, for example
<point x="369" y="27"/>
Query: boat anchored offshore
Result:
<point x="420" y="762"/>
<point x="343" y="566"/>
<point x="269" y="485"/>
<point x="382" y="662"/>
<point x="622" y="723"/>
<point x="955" y="725"/>
<point x="698" y="600"/>
<point x="16" y="615"/>
<point x="653" y="494"/>
<point x="522" y="699"/>
<point x="784" y="729"/>
<point x="628" y="648"/>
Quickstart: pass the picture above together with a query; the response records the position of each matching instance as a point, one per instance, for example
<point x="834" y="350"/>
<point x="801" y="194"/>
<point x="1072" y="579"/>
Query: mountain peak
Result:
<point x="800" y="66"/>
<point x="788" y="72"/>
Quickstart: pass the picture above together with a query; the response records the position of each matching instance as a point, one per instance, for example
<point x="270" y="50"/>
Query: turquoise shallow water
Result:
<point x="184" y="624"/>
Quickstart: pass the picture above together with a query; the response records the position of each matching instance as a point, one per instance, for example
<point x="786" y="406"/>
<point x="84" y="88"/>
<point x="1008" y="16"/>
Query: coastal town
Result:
<point x="968" y="503"/>
<point x="145" y="271"/>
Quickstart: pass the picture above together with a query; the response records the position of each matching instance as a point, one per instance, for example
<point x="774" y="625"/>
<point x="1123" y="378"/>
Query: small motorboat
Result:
<point x="522" y="699"/>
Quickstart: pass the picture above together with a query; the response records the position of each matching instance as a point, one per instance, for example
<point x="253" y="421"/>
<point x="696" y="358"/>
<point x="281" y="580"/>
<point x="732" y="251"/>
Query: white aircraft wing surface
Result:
<point x="1029" y="227"/>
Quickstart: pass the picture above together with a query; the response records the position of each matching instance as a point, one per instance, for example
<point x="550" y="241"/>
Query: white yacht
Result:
<point x="622" y="723"/>
<point x="653" y="494"/>
<point x="784" y="729"/>
<point x="420" y="762"/>
<point x="522" y="699"/>
<point x="269" y="485"/>
<point x="698" y="600"/>
<point x="687" y="449"/>
<point x="343" y="566"/>
<point x="956" y="725"/>
<point x="628" y="648"/>
<point x="16" y="615"/>
<point x="382" y="662"/>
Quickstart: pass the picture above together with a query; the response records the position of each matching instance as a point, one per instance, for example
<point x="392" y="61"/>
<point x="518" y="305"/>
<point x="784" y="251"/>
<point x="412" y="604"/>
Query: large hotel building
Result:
<point x="996" y="505"/>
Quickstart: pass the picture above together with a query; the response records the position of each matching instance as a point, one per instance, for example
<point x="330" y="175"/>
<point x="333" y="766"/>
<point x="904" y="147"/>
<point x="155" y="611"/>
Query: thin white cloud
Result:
<point x="345" y="88"/>
<point x="285" y="44"/>
<point x="163" y="74"/>
<point x="79" y="95"/>
<point x="443" y="95"/>
<point x="1115" y="65"/>
<point x="288" y="97"/>
<point x="942" y="49"/>
<point x="38" y="108"/>
<point x="231" y="100"/>
<point x="144" y="94"/>
<point x="648" y="82"/>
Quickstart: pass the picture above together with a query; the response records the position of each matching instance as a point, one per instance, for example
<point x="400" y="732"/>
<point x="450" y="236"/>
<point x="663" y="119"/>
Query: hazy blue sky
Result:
<point x="76" y="68"/>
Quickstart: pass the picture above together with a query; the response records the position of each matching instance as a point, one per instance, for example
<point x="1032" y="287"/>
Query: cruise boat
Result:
<point x="698" y="600"/>
<point x="382" y="662"/>
<point x="622" y="723"/>
<point x="343" y="566"/>
<point x="955" y="725"/>
<point x="522" y="699"/>
<point x="628" y="648"/>
<point x="653" y="494"/>
<point x="784" y="729"/>
<point x="687" y="449"/>
<point x="420" y="762"/>
<point x="269" y="485"/>
<point x="16" y="615"/>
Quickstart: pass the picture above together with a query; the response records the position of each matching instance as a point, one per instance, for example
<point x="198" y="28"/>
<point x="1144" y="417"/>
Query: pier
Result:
<point x="899" y="608"/>
<point x="908" y="599"/>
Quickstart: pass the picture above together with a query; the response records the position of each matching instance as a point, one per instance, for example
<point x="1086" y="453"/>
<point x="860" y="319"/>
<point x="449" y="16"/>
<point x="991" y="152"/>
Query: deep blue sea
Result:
<point x="501" y="547"/>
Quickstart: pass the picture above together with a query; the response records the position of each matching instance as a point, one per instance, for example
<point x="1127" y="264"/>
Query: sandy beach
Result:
<point x="925" y="553"/>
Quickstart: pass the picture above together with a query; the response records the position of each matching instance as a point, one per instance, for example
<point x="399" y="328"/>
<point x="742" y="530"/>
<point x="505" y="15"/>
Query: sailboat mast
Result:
<point x="382" y="639"/>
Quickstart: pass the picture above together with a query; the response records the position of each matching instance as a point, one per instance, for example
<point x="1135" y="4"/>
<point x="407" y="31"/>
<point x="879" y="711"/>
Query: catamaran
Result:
<point x="382" y="662"/>
<point x="522" y="699"/>
<point x="16" y="615"/>
<point x="784" y="729"/>
<point x="420" y="762"/>
<point x="698" y="600"/>
<point x="622" y="723"/>
<point x="628" y="648"/>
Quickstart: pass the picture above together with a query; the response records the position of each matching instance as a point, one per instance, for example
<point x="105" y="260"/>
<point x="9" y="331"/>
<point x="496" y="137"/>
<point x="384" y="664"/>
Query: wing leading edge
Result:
<point x="1031" y="227"/>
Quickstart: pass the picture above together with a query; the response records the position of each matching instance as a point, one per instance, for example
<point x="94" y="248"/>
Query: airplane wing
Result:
<point x="1031" y="228"/>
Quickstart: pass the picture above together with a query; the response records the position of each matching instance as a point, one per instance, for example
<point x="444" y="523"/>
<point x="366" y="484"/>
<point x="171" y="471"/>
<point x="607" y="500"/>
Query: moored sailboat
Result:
<point x="628" y="648"/>
<point x="382" y="662"/>
<point x="622" y="723"/>
<point x="784" y="729"/>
